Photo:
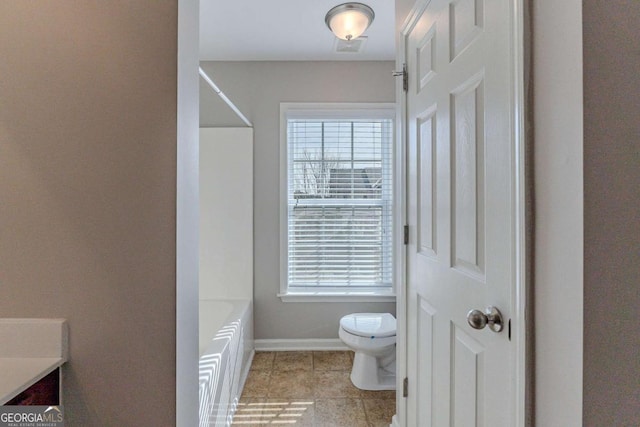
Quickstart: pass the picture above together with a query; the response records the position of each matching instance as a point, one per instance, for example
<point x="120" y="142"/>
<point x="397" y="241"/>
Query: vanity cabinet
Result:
<point x="44" y="392"/>
<point x="31" y="354"/>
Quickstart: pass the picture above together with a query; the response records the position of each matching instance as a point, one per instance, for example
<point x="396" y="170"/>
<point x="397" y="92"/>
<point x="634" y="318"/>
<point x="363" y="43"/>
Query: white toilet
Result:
<point x="372" y="336"/>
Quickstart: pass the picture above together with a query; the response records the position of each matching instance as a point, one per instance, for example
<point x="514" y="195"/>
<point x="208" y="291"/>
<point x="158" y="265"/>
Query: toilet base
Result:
<point x="364" y="365"/>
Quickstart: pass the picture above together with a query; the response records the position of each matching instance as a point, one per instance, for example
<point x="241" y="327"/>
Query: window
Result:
<point x="338" y="207"/>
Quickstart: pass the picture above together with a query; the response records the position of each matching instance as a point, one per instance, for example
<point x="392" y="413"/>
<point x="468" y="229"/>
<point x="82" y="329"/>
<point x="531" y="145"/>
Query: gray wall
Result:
<point x="88" y="196"/>
<point x="257" y="88"/>
<point x="612" y="213"/>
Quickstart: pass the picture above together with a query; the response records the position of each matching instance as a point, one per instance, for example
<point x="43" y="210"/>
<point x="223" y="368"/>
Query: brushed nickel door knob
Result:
<point x="491" y="316"/>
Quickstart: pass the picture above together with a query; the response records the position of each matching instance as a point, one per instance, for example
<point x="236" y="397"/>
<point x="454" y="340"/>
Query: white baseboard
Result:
<point x="394" y="421"/>
<point x="300" y="345"/>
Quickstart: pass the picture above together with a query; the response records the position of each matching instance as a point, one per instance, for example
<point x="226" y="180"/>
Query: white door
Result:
<point x="463" y="207"/>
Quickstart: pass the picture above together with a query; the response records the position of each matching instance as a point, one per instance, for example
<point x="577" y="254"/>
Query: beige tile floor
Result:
<point x="305" y="388"/>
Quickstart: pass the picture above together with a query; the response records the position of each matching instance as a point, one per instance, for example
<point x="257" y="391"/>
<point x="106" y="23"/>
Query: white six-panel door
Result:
<point x="462" y="210"/>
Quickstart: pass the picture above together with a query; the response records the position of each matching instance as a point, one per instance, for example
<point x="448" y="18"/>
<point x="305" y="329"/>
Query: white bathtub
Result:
<point x="226" y="350"/>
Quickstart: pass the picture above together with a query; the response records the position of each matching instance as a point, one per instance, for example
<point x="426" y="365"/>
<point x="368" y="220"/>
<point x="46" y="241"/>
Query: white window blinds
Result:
<point x="339" y="204"/>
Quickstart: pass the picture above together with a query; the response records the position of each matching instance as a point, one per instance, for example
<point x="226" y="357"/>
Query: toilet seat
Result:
<point x="369" y="325"/>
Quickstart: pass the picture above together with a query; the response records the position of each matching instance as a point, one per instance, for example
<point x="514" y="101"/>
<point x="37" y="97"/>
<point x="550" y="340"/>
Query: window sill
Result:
<point x="332" y="296"/>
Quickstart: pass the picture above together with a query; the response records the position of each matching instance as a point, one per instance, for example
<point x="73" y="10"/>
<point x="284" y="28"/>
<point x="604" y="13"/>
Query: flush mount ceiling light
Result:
<point x="349" y="20"/>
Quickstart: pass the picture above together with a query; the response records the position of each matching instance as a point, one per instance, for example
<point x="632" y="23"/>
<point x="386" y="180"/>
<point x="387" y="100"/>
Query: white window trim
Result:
<point x="332" y="111"/>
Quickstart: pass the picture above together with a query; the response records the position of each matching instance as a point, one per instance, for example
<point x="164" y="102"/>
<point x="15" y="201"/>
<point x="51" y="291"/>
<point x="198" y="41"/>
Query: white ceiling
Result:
<point x="286" y="30"/>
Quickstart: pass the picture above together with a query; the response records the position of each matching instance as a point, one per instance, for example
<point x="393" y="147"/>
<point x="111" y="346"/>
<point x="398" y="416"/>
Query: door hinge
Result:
<point x="405" y="77"/>
<point x="405" y="236"/>
<point x="405" y="387"/>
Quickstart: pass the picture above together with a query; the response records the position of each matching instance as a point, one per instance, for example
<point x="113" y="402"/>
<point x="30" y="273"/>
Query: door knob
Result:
<point x="491" y="316"/>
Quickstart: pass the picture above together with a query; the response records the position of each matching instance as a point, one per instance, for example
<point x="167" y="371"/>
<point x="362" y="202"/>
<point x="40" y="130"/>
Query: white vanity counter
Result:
<point x="29" y="350"/>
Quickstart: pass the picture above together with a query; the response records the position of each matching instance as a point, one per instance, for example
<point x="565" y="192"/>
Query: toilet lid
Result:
<point x="369" y="325"/>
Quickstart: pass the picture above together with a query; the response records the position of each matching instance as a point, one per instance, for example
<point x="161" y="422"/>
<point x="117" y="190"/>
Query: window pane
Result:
<point x="337" y="246"/>
<point x="340" y="202"/>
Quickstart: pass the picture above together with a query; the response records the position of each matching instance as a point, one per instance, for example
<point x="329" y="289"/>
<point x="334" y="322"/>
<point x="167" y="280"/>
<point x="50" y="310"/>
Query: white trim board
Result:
<point x="320" y="344"/>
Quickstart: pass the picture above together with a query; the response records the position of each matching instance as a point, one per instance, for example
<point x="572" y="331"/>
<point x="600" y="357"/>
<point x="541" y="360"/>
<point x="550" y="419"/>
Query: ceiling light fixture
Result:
<point x="349" y="20"/>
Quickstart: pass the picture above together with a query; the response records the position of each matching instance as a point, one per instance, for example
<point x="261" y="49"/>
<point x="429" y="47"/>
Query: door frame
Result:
<point x="521" y="363"/>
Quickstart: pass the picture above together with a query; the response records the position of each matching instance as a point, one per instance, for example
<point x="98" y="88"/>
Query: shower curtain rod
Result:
<point x="221" y="94"/>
